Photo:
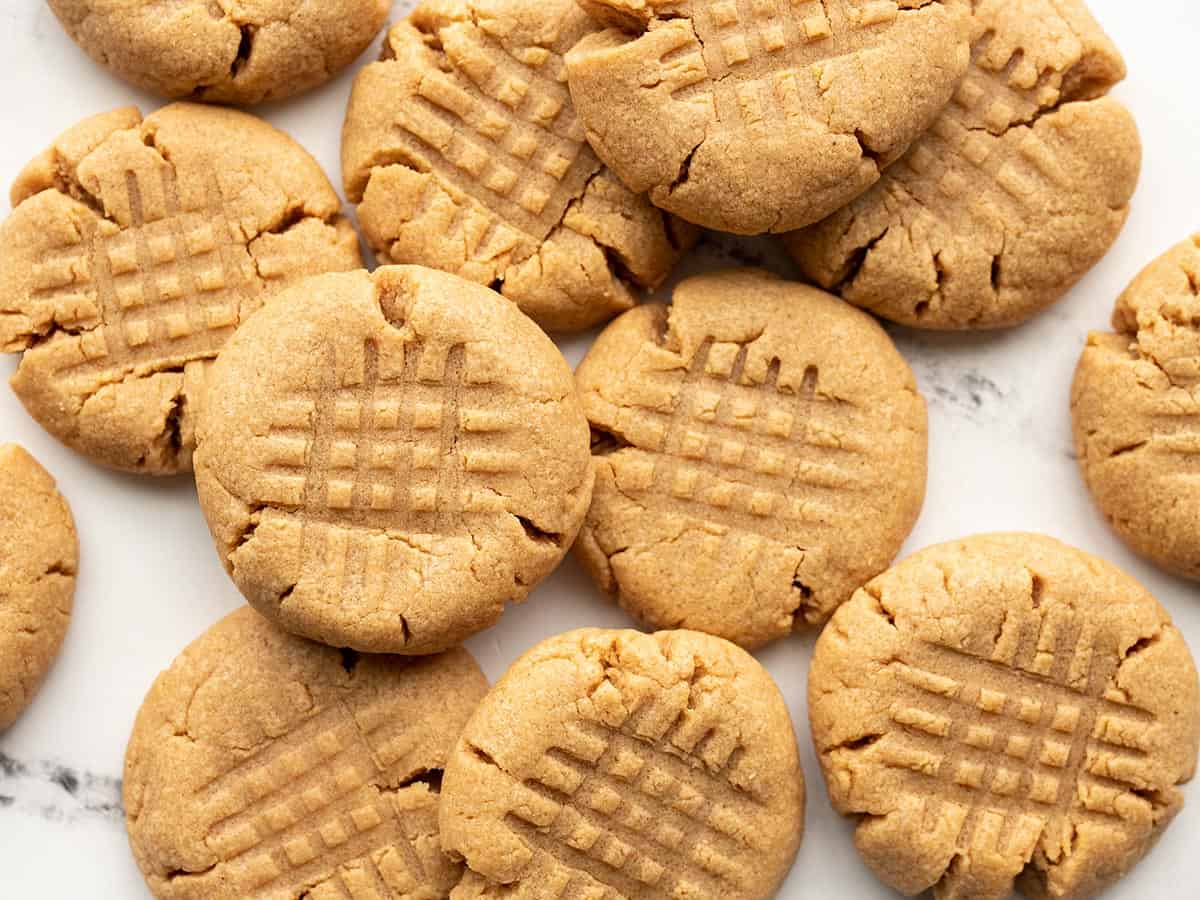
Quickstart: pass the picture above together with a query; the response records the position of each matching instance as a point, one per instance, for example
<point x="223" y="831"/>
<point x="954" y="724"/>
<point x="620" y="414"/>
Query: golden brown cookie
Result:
<point x="135" y="249"/>
<point x="462" y="149"/>
<point x="762" y="115"/>
<point x="264" y="765"/>
<point x="387" y="460"/>
<point x="1004" y="711"/>
<point x="1017" y="190"/>
<point x="760" y="451"/>
<point x="1136" y="407"/>
<point x="620" y="764"/>
<point x="224" y="51"/>
<point x="39" y="556"/>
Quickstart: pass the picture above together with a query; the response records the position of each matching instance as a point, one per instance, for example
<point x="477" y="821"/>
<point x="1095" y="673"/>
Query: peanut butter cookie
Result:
<point x="463" y="152"/>
<point x="264" y="765"/>
<point x="620" y="764"/>
<point x="1136" y="406"/>
<point x="135" y="249"/>
<point x="765" y="115"/>
<point x="224" y="51"/>
<point x="1004" y="711"/>
<point x="1017" y="190"/>
<point x="388" y="459"/>
<point x="39" y="556"/>
<point x="761" y="453"/>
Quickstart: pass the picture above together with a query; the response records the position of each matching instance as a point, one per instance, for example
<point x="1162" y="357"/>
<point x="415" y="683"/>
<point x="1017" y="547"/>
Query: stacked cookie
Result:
<point x="387" y="459"/>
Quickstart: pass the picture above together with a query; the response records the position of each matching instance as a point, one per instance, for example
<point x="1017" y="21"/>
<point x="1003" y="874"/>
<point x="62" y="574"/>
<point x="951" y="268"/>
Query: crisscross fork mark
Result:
<point x="719" y="429"/>
<point x="153" y="299"/>
<point x="502" y="133"/>
<point x="1177" y="432"/>
<point x="760" y="54"/>
<point x="626" y="813"/>
<point x="960" y="170"/>
<point x="304" y="805"/>
<point x="1036" y="736"/>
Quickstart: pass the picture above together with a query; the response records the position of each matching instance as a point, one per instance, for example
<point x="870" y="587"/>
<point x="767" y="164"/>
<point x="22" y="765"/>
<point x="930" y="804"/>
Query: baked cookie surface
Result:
<point x="762" y="116"/>
<point x="1136" y="410"/>
<point x="463" y="153"/>
<point x="223" y="51"/>
<point x="614" y="763"/>
<point x="413" y="457"/>
<point x="135" y="248"/>
<point x="264" y="765"/>
<point x="761" y="453"/>
<point x="1017" y="190"/>
<point x="39" y="556"/>
<point x="1004" y="711"/>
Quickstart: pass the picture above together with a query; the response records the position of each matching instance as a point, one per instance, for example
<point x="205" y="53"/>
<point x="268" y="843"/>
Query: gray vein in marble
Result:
<point x="58" y="792"/>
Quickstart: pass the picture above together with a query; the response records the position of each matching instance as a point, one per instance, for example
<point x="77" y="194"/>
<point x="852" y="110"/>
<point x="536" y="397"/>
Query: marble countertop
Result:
<point x="1000" y="459"/>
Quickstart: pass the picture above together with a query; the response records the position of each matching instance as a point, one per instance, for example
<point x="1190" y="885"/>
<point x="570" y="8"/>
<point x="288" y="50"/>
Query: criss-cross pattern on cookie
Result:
<point x="758" y="60"/>
<point x="1007" y="748"/>
<point x="303" y="808"/>
<point x="168" y="287"/>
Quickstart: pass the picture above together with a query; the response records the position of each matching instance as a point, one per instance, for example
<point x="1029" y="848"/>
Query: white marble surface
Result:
<point x="1001" y="458"/>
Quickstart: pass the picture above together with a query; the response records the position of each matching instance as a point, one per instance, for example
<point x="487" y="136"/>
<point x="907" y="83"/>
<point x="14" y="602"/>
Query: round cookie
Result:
<point x="39" y="556"/>
<point x="1004" y="711"/>
<point x="262" y="764"/>
<point x="223" y="51"/>
<point x="751" y="474"/>
<point x="1136" y="410"/>
<point x="135" y="249"/>
<point x="462" y="151"/>
<point x="388" y="459"/>
<point x="763" y="116"/>
<point x="615" y="763"/>
<point x="1017" y="190"/>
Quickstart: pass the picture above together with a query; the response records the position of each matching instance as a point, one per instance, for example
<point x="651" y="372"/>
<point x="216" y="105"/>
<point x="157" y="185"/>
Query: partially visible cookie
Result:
<point x="462" y="149"/>
<point x="386" y="460"/>
<point x="1017" y="190"/>
<point x="135" y="249"/>
<point x="1004" y="712"/>
<point x="224" y="51"/>
<point x="39" y="556"/>
<point x="1136" y="409"/>
<point x="762" y="116"/>
<point x="620" y="764"/>
<point x="761" y="453"/>
<point x="264" y="765"/>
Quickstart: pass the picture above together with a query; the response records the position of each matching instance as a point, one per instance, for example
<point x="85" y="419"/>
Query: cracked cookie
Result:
<point x="614" y="763"/>
<point x="223" y="51"/>
<point x="134" y="250"/>
<point x="39" y="556"/>
<point x="414" y="458"/>
<point x="264" y="765"/>
<point x="762" y="116"/>
<point x="1136" y="409"/>
<point x="1017" y="190"/>
<point x="752" y="471"/>
<point x="1004" y="712"/>
<point x="462" y="151"/>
